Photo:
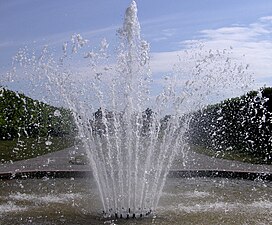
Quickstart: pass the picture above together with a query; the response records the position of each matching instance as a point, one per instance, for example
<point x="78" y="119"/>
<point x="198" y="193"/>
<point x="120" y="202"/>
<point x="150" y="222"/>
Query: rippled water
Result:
<point x="183" y="201"/>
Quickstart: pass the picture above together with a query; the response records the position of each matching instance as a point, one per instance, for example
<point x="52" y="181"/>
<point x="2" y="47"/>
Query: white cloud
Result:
<point x="266" y="18"/>
<point x="8" y="44"/>
<point x="164" y="35"/>
<point x="169" y="32"/>
<point x="163" y="62"/>
<point x="251" y="44"/>
<point x="157" y="39"/>
<point x="253" y="41"/>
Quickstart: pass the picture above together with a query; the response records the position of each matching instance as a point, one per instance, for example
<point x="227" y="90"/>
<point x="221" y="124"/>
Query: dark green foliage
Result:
<point x="241" y="125"/>
<point x="23" y="116"/>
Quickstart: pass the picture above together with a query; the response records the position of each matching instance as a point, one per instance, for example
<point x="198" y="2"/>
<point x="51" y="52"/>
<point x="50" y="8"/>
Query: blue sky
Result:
<point x="245" y="25"/>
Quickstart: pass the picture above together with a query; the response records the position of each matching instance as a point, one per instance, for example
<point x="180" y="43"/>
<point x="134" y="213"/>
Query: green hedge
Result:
<point x="23" y="116"/>
<point x="242" y="124"/>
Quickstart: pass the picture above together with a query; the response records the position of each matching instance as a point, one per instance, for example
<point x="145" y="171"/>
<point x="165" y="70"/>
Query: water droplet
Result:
<point x="48" y="143"/>
<point x="57" y="113"/>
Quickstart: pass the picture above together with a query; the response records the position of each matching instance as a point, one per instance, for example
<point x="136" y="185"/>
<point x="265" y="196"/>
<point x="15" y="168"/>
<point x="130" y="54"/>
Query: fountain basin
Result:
<point x="241" y="174"/>
<point x="186" y="200"/>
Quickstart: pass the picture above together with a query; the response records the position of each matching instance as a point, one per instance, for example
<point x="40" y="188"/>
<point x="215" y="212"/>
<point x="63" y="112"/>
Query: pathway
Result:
<point x="59" y="161"/>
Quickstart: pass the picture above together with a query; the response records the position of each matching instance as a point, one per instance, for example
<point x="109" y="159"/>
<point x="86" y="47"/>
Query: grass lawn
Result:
<point x="25" y="148"/>
<point x="230" y="155"/>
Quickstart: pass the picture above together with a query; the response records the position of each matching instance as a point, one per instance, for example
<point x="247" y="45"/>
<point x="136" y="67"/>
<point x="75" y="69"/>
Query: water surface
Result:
<point x="184" y="201"/>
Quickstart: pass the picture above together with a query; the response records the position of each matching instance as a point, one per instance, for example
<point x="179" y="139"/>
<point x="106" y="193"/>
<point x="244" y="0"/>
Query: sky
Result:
<point x="243" y="27"/>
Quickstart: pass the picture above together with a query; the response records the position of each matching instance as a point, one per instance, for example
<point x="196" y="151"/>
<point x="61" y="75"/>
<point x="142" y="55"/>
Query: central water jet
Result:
<point x="130" y="147"/>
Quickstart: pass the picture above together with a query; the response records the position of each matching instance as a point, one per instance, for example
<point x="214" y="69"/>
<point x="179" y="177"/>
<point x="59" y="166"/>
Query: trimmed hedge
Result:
<point x="242" y="124"/>
<point x="23" y="116"/>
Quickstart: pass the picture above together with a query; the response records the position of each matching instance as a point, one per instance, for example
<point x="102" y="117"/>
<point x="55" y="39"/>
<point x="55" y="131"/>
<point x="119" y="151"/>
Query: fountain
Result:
<point x="129" y="151"/>
<point x="131" y="137"/>
<point x="130" y="146"/>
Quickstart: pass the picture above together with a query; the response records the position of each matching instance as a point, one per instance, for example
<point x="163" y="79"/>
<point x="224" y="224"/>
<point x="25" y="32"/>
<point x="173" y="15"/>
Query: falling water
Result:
<point x="130" y="149"/>
<point x="133" y="137"/>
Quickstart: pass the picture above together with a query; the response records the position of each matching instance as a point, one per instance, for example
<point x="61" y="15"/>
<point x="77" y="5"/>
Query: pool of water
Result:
<point x="184" y="201"/>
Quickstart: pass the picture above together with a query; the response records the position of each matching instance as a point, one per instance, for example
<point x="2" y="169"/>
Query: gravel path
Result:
<point x="59" y="161"/>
